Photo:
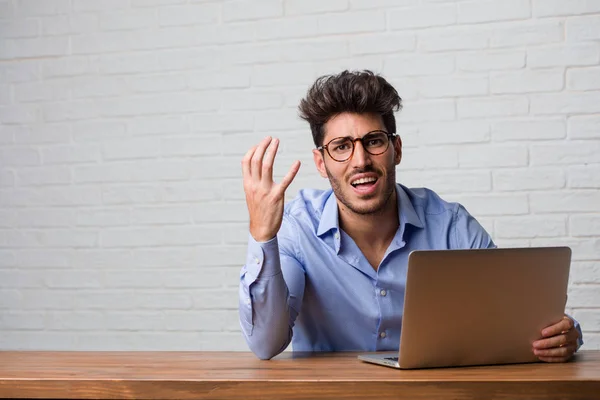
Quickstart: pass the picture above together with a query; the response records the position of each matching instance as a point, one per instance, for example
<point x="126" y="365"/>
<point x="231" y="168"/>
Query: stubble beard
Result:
<point x="374" y="209"/>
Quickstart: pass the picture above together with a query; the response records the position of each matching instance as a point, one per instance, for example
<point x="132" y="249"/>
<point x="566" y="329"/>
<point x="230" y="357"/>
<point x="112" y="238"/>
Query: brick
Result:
<point x="584" y="177"/>
<point x="159" y="236"/>
<point x="566" y="153"/>
<point x="583" y="78"/>
<point x="45" y="175"/>
<point x="447" y="86"/>
<point x="527" y="81"/>
<point x="74" y="279"/>
<point x="96" y="131"/>
<point x="236" y="77"/>
<point x="299" y="7"/>
<point x="583" y="28"/>
<point x="152" y="3"/>
<point x="554" y="8"/>
<point x="19" y="156"/>
<point x="542" y="129"/>
<point x="428" y="158"/>
<point x="585" y="272"/>
<point x="135" y="321"/>
<point x="131" y="278"/>
<point x="91" y="5"/>
<point x="134" y="62"/>
<point x="226" y="298"/>
<point x="230" y="212"/>
<point x="364" y="4"/>
<point x="382" y="43"/>
<point x="6" y="8"/>
<point x="161" y="215"/>
<point x="191" y="146"/>
<point x="527" y="34"/>
<point x="100" y="258"/>
<point x="103" y="217"/>
<point x="240" y="10"/>
<point x="71" y="110"/>
<point x="51" y="196"/>
<point x="36" y="8"/>
<point x="41" y="91"/>
<point x="277" y="120"/>
<point x="5" y="95"/>
<point x="34" y="47"/>
<point x="446" y="39"/>
<point x="584" y="127"/>
<point x="589" y="320"/>
<point x="563" y="55"/>
<point x="157" y="125"/>
<point x="124" y="149"/>
<point x="526" y="179"/>
<point x="23" y="71"/>
<point x="67" y="67"/>
<point x="22" y="320"/>
<point x="565" y="103"/>
<point x="584" y="225"/>
<point x="573" y="201"/>
<point x="492" y="10"/>
<point x="583" y="296"/>
<point x="187" y="59"/>
<point x="497" y="106"/>
<point x="45" y="218"/>
<point x="452" y="132"/>
<point x="168" y="103"/>
<point x="235" y="100"/>
<point x="247" y="32"/>
<point x="426" y="111"/>
<point x="493" y="204"/>
<point x="424" y="16"/>
<point x="19" y="114"/>
<point x="206" y="320"/>
<point x="131" y="171"/>
<point x="75" y="321"/>
<point x="530" y="227"/>
<point x="88" y="87"/>
<point x="71" y="24"/>
<point x="351" y="22"/>
<point x="21" y="28"/>
<point x="172" y="192"/>
<point x="189" y="15"/>
<point x="41" y="134"/>
<point x="488" y="156"/>
<point x="158" y="83"/>
<point x="127" y="20"/>
<point x="448" y="182"/>
<point x="33" y="259"/>
<point x="55" y="238"/>
<point x="70" y="154"/>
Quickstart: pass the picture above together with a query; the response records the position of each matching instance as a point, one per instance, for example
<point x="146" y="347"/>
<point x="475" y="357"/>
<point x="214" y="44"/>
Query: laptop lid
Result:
<point x="475" y="307"/>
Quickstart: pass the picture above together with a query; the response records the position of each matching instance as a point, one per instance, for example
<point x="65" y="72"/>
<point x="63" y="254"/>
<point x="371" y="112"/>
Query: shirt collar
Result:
<point x="406" y="212"/>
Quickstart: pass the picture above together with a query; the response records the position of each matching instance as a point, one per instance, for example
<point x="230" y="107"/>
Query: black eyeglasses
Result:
<point x="342" y="148"/>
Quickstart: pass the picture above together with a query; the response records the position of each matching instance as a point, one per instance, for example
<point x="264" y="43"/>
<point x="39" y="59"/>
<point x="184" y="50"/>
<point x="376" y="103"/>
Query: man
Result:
<point x="327" y="271"/>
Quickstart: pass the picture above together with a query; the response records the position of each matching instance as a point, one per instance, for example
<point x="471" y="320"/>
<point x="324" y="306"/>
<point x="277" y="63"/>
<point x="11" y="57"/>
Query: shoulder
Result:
<point x="428" y="202"/>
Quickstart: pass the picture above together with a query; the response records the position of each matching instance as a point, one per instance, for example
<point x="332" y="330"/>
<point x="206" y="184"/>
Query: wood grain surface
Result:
<point x="226" y="375"/>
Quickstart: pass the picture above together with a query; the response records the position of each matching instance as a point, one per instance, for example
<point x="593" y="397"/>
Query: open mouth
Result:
<point x="364" y="182"/>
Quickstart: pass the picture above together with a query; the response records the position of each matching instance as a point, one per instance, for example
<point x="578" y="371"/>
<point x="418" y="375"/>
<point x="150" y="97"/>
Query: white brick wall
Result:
<point x="122" y="215"/>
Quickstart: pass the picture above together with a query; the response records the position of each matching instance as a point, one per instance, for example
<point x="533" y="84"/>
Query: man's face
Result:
<point x="364" y="184"/>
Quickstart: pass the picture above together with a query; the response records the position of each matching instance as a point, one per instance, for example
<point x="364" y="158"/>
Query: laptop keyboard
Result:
<point x="392" y="358"/>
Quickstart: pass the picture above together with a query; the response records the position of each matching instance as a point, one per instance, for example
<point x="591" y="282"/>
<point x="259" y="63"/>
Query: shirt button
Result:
<point x="248" y="301"/>
<point x="256" y="260"/>
<point x="382" y="292"/>
<point x="382" y="335"/>
<point x="337" y="235"/>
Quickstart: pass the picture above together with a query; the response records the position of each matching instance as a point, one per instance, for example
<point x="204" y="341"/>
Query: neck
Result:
<point x="373" y="230"/>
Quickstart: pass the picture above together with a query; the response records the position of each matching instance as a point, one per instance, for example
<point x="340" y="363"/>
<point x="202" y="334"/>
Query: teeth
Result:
<point x="363" y="180"/>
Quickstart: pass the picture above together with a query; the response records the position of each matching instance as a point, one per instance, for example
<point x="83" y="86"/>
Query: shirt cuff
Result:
<point x="262" y="260"/>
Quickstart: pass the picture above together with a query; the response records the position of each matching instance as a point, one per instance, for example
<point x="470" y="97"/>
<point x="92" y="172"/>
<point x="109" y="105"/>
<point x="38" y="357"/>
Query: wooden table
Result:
<point x="219" y="375"/>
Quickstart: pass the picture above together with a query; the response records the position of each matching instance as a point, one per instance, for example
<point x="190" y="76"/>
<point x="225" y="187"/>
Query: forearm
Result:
<point x="263" y="305"/>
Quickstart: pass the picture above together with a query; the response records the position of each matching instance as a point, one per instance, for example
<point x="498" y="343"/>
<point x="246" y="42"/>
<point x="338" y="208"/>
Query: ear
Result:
<point x="397" y="150"/>
<point x="319" y="162"/>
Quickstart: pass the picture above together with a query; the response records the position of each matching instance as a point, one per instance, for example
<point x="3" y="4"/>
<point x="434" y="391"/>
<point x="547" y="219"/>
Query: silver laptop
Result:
<point x="478" y="307"/>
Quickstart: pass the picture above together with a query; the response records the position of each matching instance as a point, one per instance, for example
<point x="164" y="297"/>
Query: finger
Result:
<point x="566" y="351"/>
<point x="289" y="177"/>
<point x="269" y="159"/>
<point x="257" y="158"/>
<point x="246" y="173"/>
<point x="549" y="343"/>
<point x="562" y="326"/>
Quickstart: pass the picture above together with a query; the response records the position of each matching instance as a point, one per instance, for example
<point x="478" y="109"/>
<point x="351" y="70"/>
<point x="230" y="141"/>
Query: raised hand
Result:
<point x="265" y="198"/>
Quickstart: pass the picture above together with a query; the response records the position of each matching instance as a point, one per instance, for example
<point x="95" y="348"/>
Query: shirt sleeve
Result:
<point x="468" y="232"/>
<point x="270" y="293"/>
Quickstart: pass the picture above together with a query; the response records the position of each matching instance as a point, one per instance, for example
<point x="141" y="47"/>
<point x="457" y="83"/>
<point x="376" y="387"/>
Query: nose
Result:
<point x="360" y="158"/>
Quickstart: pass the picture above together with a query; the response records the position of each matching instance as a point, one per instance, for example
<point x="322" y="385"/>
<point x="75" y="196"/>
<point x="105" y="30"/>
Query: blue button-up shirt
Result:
<point x="312" y="285"/>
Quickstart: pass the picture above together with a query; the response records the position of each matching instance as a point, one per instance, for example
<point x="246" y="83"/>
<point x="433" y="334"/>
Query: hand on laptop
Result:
<point x="264" y="197"/>
<point x="559" y="342"/>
